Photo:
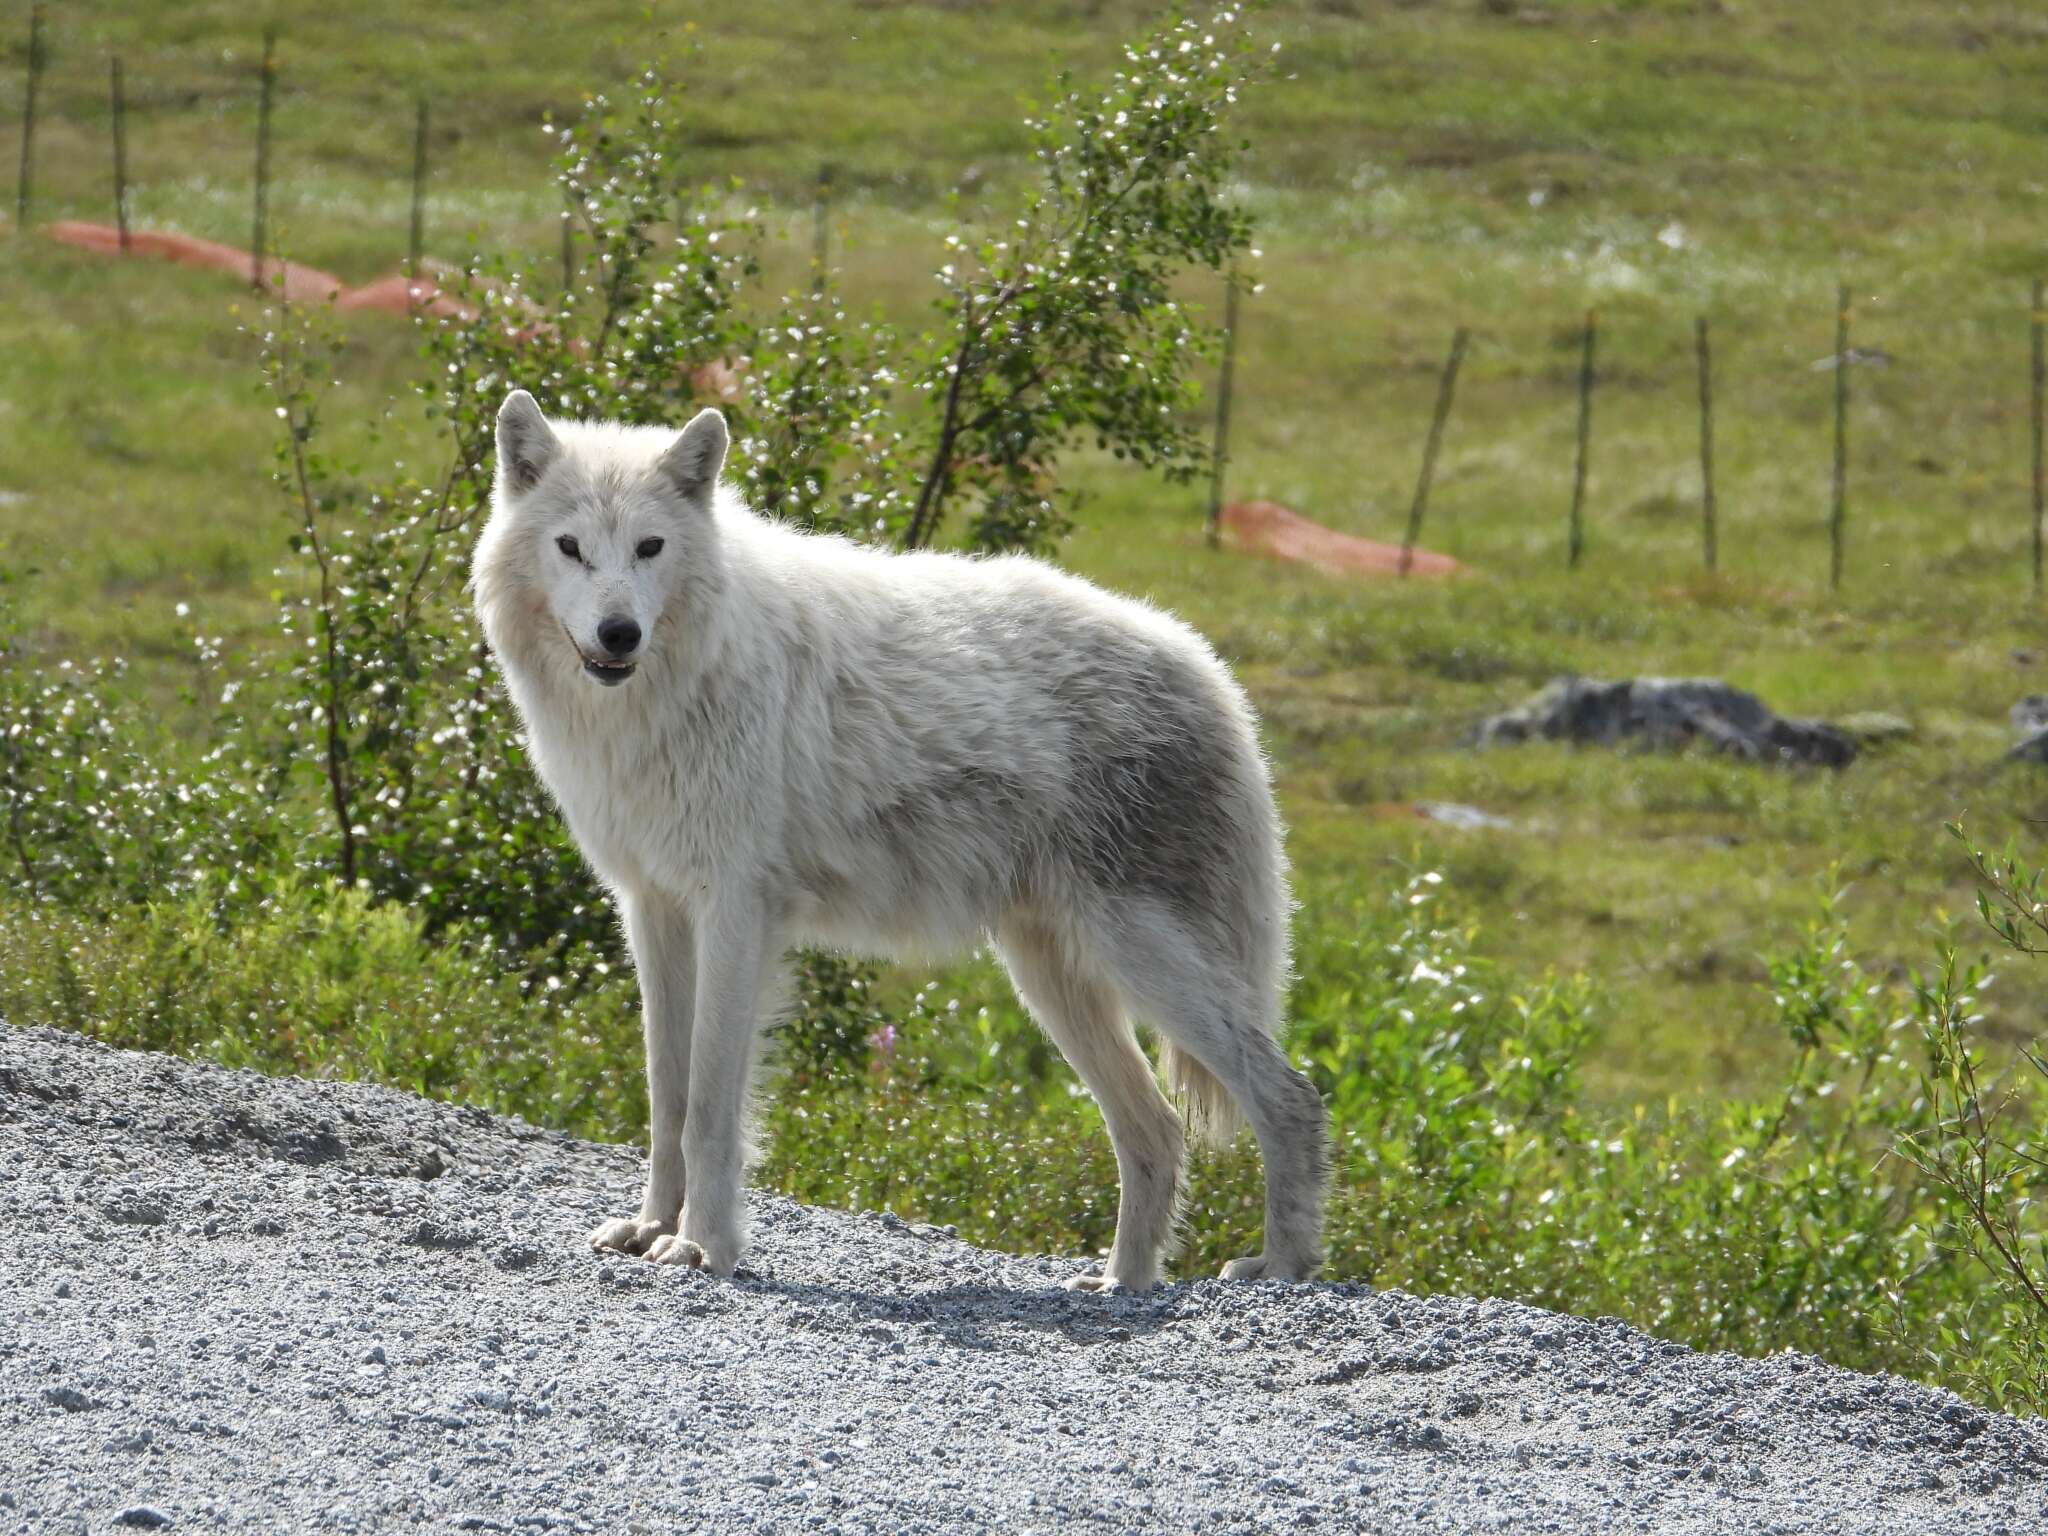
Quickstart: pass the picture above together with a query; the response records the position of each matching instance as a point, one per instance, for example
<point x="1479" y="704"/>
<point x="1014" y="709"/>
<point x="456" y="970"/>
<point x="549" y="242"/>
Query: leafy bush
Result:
<point x="1982" y="1143"/>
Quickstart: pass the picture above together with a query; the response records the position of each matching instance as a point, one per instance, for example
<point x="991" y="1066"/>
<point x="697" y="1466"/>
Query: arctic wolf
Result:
<point x="763" y="738"/>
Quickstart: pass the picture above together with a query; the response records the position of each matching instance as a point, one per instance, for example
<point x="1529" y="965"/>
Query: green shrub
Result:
<point x="324" y="983"/>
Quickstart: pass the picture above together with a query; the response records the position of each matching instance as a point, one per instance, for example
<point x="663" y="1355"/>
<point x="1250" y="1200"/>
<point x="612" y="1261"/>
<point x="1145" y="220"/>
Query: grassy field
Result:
<point x="1414" y="168"/>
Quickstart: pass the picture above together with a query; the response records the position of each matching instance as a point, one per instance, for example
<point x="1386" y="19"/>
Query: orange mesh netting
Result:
<point x="301" y="284"/>
<point x="1267" y="528"/>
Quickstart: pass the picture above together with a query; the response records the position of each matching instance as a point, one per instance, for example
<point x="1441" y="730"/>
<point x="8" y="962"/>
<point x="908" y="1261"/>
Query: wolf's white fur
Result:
<point x="899" y="755"/>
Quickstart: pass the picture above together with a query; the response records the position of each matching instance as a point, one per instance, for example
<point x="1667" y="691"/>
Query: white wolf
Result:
<point x="761" y="737"/>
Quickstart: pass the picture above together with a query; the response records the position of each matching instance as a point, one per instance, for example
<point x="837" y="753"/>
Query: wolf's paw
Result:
<point x="1107" y="1283"/>
<point x="1266" y="1266"/>
<point x="1100" y="1285"/>
<point x="684" y="1254"/>
<point x="630" y="1234"/>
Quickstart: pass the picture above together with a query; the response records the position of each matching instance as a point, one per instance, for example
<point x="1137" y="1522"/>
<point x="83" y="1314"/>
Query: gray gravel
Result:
<point x="235" y="1302"/>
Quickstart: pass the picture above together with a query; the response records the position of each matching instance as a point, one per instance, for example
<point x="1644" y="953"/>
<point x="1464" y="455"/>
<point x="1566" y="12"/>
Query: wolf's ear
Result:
<point x="526" y="444"/>
<point x="694" y="459"/>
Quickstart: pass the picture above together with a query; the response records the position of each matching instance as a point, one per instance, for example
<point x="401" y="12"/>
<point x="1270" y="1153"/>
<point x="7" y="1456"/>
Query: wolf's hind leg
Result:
<point x="1209" y="1009"/>
<point x="1084" y="1019"/>
<point x="1292" y="1126"/>
<point x="665" y="958"/>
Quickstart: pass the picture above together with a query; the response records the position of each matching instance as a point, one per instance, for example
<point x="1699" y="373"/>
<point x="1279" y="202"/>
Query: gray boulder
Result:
<point x="1670" y="713"/>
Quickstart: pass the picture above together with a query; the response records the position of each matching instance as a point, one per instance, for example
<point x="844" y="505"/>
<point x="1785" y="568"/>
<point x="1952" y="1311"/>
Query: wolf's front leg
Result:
<point x="665" y="957"/>
<point x="734" y="952"/>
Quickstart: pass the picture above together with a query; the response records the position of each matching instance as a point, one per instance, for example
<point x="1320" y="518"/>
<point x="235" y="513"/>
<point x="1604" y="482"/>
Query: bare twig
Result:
<point x="299" y="427"/>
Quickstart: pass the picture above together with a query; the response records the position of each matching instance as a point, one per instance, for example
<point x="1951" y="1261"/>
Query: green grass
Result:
<point x="1415" y="168"/>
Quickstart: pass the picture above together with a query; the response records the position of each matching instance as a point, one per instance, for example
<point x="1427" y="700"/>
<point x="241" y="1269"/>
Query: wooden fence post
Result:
<point x="25" y="186"/>
<point x="120" y="105"/>
<point x="1575" y="543"/>
<point x="821" y="226"/>
<point x="2040" y="370"/>
<point x="1220" y="455"/>
<point x="1838" y="516"/>
<point x="260" y="235"/>
<point x="1709" y="533"/>
<point x="416" y="246"/>
<point x="1444" y="388"/>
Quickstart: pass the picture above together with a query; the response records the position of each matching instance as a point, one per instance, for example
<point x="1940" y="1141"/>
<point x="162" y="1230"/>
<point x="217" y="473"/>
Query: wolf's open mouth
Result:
<point x="610" y="673"/>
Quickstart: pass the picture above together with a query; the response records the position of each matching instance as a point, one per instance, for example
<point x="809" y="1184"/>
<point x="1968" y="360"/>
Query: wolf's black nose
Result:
<point x="618" y="635"/>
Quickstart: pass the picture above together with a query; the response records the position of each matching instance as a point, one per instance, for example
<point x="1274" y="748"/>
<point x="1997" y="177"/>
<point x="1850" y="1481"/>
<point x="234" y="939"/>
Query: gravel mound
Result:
<point x="235" y="1302"/>
<point x="1667" y="712"/>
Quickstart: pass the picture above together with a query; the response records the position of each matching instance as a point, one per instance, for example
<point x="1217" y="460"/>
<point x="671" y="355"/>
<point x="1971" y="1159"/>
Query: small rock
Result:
<point x="138" y="1441"/>
<point x="144" y="1516"/>
<point x="133" y="1210"/>
<point x="70" y="1399"/>
<point x="1466" y="818"/>
<point x="435" y="1233"/>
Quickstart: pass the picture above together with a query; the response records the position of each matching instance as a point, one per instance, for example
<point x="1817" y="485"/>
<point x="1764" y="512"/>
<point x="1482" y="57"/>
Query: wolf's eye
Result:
<point x="647" y="549"/>
<point x="568" y="546"/>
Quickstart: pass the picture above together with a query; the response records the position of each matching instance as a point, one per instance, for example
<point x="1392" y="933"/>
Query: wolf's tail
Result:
<point x="1213" y="1116"/>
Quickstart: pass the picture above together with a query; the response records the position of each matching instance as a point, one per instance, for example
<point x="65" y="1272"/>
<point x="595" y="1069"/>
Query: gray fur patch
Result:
<point x="1148" y="794"/>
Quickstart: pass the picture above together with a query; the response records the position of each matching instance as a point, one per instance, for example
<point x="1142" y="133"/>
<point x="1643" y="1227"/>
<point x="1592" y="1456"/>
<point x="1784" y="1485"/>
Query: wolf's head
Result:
<point x="600" y="537"/>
